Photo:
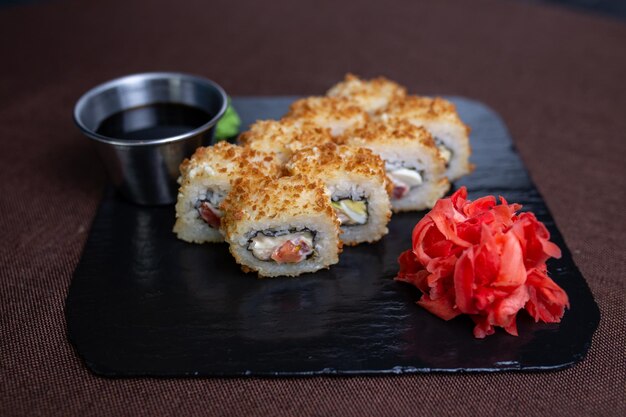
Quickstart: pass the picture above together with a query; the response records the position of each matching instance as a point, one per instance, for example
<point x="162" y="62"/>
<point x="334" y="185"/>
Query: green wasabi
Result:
<point x="228" y="126"/>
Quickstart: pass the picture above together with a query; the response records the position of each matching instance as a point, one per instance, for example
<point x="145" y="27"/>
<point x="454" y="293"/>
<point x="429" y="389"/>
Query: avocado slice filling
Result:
<point x="444" y="151"/>
<point x="351" y="212"/>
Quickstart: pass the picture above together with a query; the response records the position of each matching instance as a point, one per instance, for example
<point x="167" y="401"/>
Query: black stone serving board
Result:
<point x="142" y="303"/>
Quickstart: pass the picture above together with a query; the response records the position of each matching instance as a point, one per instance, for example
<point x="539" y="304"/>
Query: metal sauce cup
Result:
<point x="145" y="171"/>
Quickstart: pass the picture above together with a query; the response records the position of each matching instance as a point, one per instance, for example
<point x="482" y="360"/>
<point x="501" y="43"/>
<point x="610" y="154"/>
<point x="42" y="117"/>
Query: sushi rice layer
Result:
<point x="412" y="161"/>
<point x="293" y="206"/>
<point x="330" y="172"/>
<point x="206" y="179"/>
<point x="357" y="184"/>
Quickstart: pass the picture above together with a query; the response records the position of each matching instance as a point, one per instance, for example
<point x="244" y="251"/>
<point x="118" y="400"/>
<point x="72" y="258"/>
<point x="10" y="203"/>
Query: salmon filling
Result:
<point x="209" y="214"/>
<point x="285" y="247"/>
<point x="208" y="210"/>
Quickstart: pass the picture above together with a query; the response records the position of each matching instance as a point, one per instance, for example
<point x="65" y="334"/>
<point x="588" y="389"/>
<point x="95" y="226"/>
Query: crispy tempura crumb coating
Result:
<point x="286" y="203"/>
<point x="398" y="141"/>
<point x="284" y="137"/>
<point x="224" y="158"/>
<point x="212" y="169"/>
<point x="440" y="118"/>
<point x="350" y="172"/>
<point x="336" y="113"/>
<point x="371" y="95"/>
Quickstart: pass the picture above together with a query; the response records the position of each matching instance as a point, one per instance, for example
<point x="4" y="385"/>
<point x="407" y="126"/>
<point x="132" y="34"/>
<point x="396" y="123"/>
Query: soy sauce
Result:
<point x="154" y="121"/>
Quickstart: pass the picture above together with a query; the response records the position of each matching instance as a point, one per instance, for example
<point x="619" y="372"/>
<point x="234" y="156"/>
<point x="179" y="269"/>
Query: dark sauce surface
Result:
<point x="154" y="121"/>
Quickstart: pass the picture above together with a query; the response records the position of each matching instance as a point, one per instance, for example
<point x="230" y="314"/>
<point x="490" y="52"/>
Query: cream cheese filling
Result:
<point x="402" y="178"/>
<point x="405" y="176"/>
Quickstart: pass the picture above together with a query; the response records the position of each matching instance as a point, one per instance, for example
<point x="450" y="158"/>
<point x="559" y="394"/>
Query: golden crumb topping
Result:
<point x="388" y="131"/>
<point x="370" y="95"/>
<point x="335" y="113"/>
<point x="331" y="160"/>
<point x="284" y="137"/>
<point x="226" y="159"/>
<point x="258" y="199"/>
<point x="336" y="107"/>
<point x="418" y="108"/>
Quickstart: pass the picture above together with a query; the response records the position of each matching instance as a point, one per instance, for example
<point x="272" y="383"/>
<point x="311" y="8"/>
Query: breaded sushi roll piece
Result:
<point x="371" y="95"/>
<point x="357" y="184"/>
<point x="335" y="113"/>
<point x="284" y="226"/>
<point x="205" y="181"/>
<point x="283" y="137"/>
<point x="441" y="119"/>
<point x="412" y="162"/>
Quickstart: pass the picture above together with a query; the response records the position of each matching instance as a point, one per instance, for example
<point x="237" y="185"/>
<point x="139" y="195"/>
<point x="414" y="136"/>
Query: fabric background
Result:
<point x="555" y="76"/>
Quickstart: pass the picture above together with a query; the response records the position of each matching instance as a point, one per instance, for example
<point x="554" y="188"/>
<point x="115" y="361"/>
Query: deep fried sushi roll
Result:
<point x="441" y="119"/>
<point x="284" y="226"/>
<point x="283" y="137"/>
<point x="357" y="184"/>
<point x="371" y="95"/>
<point x="205" y="181"/>
<point x="335" y="113"/>
<point x="412" y="161"/>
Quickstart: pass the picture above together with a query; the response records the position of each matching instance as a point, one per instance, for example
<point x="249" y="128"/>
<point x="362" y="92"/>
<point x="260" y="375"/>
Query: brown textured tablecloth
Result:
<point x="557" y="78"/>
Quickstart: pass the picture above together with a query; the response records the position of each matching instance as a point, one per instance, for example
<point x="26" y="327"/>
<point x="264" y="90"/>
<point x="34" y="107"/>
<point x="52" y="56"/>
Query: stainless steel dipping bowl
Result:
<point x="145" y="171"/>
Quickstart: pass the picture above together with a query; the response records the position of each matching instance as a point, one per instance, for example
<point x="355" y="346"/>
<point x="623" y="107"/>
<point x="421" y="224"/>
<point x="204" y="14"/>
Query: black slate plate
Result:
<point x="143" y="303"/>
